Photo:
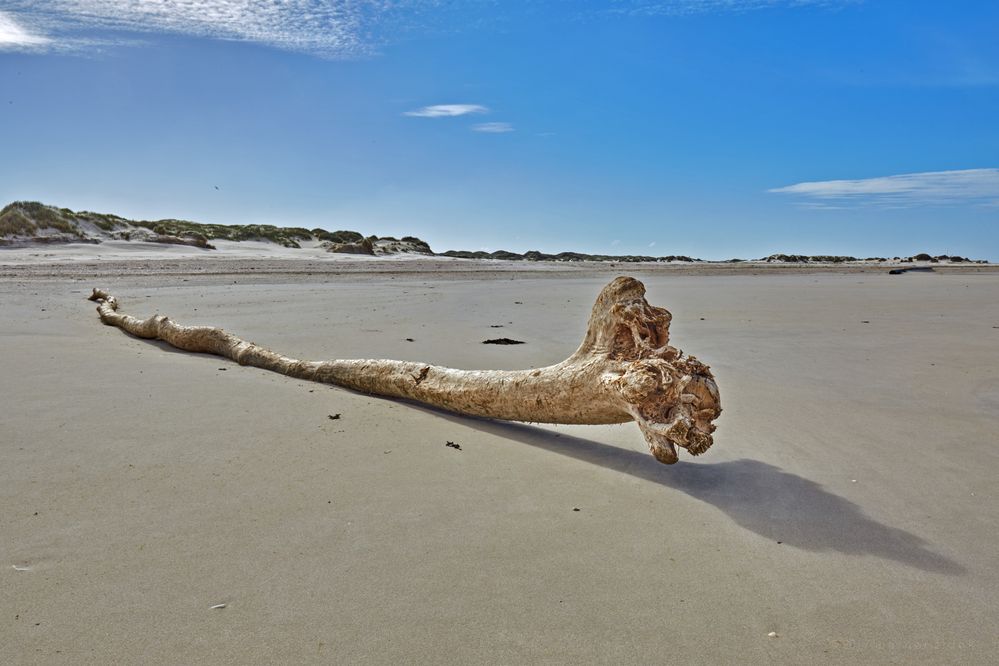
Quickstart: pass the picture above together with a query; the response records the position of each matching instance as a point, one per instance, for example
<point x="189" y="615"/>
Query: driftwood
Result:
<point x="624" y="370"/>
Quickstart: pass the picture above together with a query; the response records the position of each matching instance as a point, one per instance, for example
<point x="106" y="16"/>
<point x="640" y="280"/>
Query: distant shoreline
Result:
<point x="33" y="225"/>
<point x="244" y="267"/>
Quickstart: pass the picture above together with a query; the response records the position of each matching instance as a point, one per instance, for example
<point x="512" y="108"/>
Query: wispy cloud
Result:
<point x="967" y="186"/>
<point x="327" y="28"/>
<point x="683" y="7"/>
<point x="15" y="36"/>
<point x="493" y="128"/>
<point x="333" y="28"/>
<point x="447" y="110"/>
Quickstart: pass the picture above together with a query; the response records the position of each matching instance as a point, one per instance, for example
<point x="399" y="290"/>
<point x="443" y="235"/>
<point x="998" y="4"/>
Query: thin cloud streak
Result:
<point x="326" y="28"/>
<point x="967" y="186"/>
<point x="640" y="8"/>
<point x="493" y="128"/>
<point x="447" y="110"/>
<point x="14" y="36"/>
<point x="323" y="27"/>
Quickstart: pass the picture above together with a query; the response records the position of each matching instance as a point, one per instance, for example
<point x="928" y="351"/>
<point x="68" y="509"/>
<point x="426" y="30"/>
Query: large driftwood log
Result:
<point x="624" y="370"/>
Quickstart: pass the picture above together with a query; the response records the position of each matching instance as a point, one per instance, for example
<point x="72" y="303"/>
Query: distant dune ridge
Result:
<point x="30" y="222"/>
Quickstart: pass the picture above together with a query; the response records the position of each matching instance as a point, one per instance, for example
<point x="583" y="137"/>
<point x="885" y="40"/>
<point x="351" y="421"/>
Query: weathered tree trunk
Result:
<point x="624" y="370"/>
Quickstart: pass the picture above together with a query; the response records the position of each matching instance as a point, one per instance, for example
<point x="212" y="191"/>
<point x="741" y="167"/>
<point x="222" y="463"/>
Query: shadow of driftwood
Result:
<point x="758" y="496"/>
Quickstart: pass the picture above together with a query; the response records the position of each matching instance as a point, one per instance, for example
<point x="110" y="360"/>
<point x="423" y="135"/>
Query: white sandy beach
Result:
<point x="848" y="504"/>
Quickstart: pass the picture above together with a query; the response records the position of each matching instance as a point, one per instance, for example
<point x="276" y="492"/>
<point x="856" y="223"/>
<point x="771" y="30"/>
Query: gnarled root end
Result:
<point x="672" y="397"/>
<point x="688" y="424"/>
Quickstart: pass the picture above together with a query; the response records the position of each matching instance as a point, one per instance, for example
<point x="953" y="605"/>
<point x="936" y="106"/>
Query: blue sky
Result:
<point x="715" y="128"/>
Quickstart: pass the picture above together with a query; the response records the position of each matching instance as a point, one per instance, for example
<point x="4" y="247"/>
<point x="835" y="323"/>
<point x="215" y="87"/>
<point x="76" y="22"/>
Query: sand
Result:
<point x="848" y="504"/>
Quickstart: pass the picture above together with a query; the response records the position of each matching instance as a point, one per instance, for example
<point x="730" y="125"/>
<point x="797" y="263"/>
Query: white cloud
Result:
<point x="911" y="189"/>
<point x="14" y="36"/>
<point x="328" y="28"/>
<point x="820" y="205"/>
<point x="447" y="110"/>
<point x="493" y="128"/>
<point x="333" y="28"/>
<point x="652" y="244"/>
<point x="682" y="7"/>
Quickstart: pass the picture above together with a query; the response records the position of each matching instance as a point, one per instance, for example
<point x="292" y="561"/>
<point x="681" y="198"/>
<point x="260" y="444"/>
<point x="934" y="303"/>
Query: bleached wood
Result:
<point x="624" y="370"/>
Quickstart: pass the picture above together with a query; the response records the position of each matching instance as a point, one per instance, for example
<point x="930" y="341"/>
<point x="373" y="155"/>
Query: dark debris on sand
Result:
<point x="917" y="269"/>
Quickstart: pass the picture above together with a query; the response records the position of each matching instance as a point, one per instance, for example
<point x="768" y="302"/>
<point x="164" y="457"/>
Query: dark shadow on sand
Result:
<point x="760" y="497"/>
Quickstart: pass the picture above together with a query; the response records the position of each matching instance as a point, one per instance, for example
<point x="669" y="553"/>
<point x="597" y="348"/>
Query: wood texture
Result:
<point x="624" y="370"/>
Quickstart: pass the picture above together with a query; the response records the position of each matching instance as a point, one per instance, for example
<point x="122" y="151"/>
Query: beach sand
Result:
<point x="849" y="503"/>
